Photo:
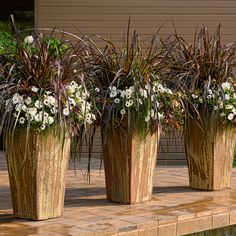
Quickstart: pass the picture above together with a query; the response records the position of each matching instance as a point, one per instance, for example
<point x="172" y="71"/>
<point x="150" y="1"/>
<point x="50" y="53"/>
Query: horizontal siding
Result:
<point x="109" y="18"/>
<point x="171" y="148"/>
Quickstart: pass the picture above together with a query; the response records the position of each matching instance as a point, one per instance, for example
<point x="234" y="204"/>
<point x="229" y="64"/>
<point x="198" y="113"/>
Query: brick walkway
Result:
<point x="174" y="210"/>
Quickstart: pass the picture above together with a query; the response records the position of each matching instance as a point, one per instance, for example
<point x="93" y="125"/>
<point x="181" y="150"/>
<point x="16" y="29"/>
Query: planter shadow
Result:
<point x="173" y="189"/>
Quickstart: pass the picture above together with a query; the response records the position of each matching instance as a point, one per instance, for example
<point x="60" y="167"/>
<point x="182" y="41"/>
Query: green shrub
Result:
<point x="7" y="43"/>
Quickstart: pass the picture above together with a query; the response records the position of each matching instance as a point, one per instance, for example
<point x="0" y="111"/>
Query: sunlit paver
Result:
<point x="174" y="210"/>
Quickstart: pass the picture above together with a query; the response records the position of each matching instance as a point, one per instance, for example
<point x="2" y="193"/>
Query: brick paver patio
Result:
<point x="174" y="210"/>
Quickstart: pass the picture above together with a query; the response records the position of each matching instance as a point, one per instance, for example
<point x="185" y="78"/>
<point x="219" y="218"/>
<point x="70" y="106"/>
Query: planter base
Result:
<point x="210" y="155"/>
<point x="37" y="173"/>
<point x="129" y="165"/>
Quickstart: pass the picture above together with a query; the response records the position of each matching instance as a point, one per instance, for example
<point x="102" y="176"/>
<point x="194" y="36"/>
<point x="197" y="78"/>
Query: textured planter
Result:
<point x="129" y="165"/>
<point x="37" y="173"/>
<point x="209" y="154"/>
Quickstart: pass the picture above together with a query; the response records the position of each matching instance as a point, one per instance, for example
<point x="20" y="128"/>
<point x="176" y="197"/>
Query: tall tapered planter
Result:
<point x="210" y="154"/>
<point x="37" y="168"/>
<point x="129" y="163"/>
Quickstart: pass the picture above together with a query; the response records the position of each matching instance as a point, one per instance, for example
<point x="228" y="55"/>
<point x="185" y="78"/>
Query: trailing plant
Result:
<point x="128" y="80"/>
<point x="205" y="71"/>
<point x="41" y="86"/>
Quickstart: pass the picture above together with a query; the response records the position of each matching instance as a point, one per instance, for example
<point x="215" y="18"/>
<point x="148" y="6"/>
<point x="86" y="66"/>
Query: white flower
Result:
<point x="22" y="120"/>
<point x="222" y="114"/>
<point x="48" y="92"/>
<point x="34" y="89"/>
<point x="117" y="100"/>
<point x="226" y="85"/>
<point x="230" y="116"/>
<point x="43" y="126"/>
<point x="52" y="100"/>
<point x="66" y="111"/>
<point x="210" y="92"/>
<point x="209" y="96"/>
<point x="46" y="102"/>
<point x="28" y="100"/>
<point x="17" y="98"/>
<point x="45" y="115"/>
<point x="227" y="97"/>
<point x="143" y="92"/>
<point x="128" y="93"/>
<point x="85" y="95"/>
<point x="72" y="87"/>
<point x="113" y="92"/>
<point x="72" y="102"/>
<point x="129" y="103"/>
<point x="234" y="111"/>
<point x="88" y="118"/>
<point x="140" y="101"/>
<point x="221" y="104"/>
<point x="122" y="112"/>
<point x="24" y="108"/>
<point x="97" y="90"/>
<point x="122" y="93"/>
<point x="53" y="110"/>
<point x="32" y="111"/>
<point x="160" y="88"/>
<point x="194" y="96"/>
<point x="18" y="106"/>
<point x="50" y="120"/>
<point x="38" y="117"/>
<point x="29" y="39"/>
<point x="168" y="91"/>
<point x="229" y="107"/>
<point x="38" y="104"/>
<point x="215" y="108"/>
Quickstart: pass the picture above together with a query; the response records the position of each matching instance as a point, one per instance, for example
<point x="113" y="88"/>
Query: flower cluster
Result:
<point x="41" y="108"/>
<point x="154" y="102"/>
<point x="221" y="99"/>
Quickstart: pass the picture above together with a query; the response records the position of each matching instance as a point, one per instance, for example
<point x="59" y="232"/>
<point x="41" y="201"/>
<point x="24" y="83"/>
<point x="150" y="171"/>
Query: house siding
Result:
<point x="109" y="19"/>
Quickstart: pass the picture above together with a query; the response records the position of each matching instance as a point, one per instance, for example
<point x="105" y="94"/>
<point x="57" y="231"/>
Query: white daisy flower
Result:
<point x="117" y="100"/>
<point x="17" y="98"/>
<point x="32" y="111"/>
<point x="29" y="39"/>
<point x="97" y="90"/>
<point x="229" y="107"/>
<point x="34" y="89"/>
<point x="230" y="116"/>
<point x="42" y="127"/>
<point x="22" y="120"/>
<point x="28" y="100"/>
<point x="66" y="111"/>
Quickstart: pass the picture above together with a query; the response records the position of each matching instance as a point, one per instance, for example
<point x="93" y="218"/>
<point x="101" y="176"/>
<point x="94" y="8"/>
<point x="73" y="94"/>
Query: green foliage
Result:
<point x="7" y="43"/>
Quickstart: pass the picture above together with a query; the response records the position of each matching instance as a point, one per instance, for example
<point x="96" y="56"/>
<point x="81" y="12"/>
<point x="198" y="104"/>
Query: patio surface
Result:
<point x="174" y="210"/>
